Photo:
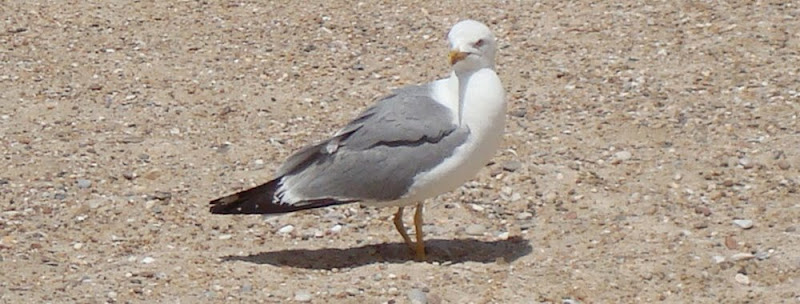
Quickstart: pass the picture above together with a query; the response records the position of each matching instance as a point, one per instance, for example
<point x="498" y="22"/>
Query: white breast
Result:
<point x="483" y="112"/>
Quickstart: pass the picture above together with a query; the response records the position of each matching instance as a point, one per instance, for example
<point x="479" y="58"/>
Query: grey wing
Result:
<point x="377" y="155"/>
<point x="410" y="115"/>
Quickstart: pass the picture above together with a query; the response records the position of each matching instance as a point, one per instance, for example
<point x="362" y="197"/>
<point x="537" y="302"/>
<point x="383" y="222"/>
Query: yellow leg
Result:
<point x="418" y="227"/>
<point x="398" y="223"/>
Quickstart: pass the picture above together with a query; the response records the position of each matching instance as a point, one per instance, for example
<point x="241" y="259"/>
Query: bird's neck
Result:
<point x="481" y="97"/>
<point x="481" y="110"/>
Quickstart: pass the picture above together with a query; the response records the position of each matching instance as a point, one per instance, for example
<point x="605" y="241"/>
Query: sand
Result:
<point x="652" y="153"/>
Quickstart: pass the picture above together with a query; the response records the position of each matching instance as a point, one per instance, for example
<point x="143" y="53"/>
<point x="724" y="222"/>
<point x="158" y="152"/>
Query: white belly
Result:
<point x="467" y="160"/>
<point x="484" y="114"/>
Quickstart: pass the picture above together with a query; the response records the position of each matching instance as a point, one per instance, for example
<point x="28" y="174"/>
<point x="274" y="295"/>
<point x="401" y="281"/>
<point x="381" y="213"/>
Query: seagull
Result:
<point x="416" y="143"/>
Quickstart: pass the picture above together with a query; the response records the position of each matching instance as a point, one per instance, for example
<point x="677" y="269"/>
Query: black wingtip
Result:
<point x="225" y="205"/>
<point x="261" y="200"/>
<point x="256" y="200"/>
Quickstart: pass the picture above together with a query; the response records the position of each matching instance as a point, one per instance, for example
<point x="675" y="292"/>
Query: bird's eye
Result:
<point x="478" y="43"/>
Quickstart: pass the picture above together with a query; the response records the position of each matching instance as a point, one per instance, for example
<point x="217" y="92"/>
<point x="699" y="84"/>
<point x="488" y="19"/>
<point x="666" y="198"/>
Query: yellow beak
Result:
<point x="456" y="56"/>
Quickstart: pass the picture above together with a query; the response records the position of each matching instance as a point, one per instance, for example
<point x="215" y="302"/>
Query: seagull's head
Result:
<point x="472" y="46"/>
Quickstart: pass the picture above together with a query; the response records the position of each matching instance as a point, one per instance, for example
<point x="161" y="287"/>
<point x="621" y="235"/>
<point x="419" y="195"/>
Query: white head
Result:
<point x="472" y="46"/>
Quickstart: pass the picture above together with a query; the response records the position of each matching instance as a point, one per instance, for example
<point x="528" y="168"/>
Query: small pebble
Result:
<point x="705" y="211"/>
<point x="519" y="112"/>
<point x="417" y="296"/>
<point x="718" y="259"/>
<point x="84" y="183"/>
<point x="258" y="164"/>
<point x="162" y="195"/>
<point x="148" y="260"/>
<point x="731" y="243"/>
<point x="336" y="228"/>
<point x="746" y="163"/>
<point x="742" y="279"/>
<point x="286" y="229"/>
<point x="112" y="294"/>
<point x="246" y="288"/>
<point x="512" y="165"/>
<point x="524" y="216"/>
<point x="478" y="208"/>
<point x="550" y="197"/>
<point x="132" y="139"/>
<point x="728" y="182"/>
<point x="762" y="255"/>
<point x="503" y="235"/>
<point x="225" y="236"/>
<point x="475" y="229"/>
<point x="302" y="296"/>
<point x="784" y="165"/>
<point x="742" y="256"/>
<point x="623" y="155"/>
<point x="744" y="224"/>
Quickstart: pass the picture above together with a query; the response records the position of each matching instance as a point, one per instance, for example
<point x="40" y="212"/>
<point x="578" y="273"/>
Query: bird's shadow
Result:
<point x="454" y="251"/>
